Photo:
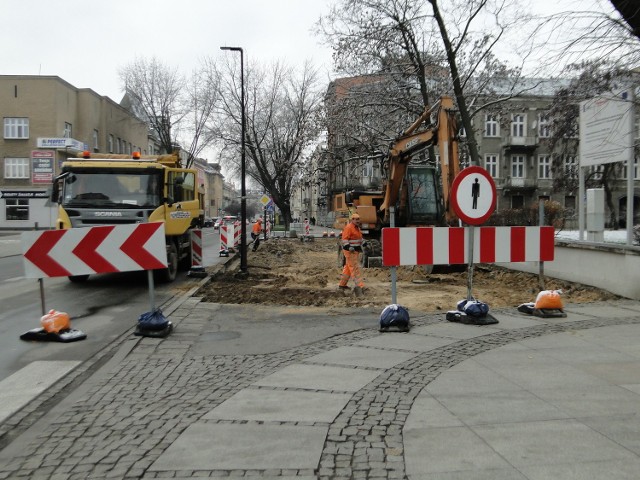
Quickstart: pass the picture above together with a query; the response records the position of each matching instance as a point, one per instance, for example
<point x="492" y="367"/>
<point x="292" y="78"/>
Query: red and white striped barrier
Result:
<point x="236" y="234"/>
<point x="196" y="248"/>
<point x="226" y="237"/>
<point x="450" y="245"/>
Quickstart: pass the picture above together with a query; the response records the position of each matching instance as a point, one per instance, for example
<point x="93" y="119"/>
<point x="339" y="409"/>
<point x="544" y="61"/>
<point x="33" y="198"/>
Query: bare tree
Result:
<point x="630" y="12"/>
<point x="282" y="123"/>
<point x="593" y="32"/>
<point x="155" y="91"/>
<point x="425" y="51"/>
<point x="202" y="96"/>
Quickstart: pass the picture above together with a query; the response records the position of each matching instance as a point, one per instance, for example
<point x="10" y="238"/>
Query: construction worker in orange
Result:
<point x="352" y="243"/>
<point x="255" y="233"/>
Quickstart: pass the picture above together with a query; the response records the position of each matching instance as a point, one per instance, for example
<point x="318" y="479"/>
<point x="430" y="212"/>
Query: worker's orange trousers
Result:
<point x="351" y="269"/>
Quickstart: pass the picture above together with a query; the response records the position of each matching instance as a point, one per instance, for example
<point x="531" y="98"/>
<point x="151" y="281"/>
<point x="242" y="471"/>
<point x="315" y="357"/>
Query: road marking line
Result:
<point x="19" y="389"/>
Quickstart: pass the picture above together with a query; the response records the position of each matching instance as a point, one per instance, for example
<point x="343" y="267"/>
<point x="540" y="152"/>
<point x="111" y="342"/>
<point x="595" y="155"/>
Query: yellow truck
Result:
<point x="107" y="189"/>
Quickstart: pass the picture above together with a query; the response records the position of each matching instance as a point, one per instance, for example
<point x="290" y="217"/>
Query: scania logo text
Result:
<point x="108" y="214"/>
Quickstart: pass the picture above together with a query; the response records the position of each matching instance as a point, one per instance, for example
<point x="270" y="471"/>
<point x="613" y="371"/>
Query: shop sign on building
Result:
<point x="42" y="166"/>
<point x="24" y="194"/>
<point x="61" y="143"/>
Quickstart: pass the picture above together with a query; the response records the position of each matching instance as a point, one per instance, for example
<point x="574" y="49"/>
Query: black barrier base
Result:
<point x="529" y="308"/>
<point x="197" y="272"/>
<point x="394" y="329"/>
<point x="144" y="332"/>
<point x="549" y="313"/>
<point x="461" y="317"/>
<point x="41" y="335"/>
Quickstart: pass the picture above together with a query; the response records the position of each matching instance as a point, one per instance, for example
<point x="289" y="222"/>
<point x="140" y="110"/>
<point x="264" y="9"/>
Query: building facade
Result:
<point x="211" y="179"/>
<point x="45" y="121"/>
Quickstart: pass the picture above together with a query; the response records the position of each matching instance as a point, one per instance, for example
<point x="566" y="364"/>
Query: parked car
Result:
<point x="216" y="225"/>
<point x="208" y="222"/>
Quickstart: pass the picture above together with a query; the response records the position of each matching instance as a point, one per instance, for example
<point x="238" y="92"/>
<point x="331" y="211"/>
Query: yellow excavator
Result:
<point x="420" y="193"/>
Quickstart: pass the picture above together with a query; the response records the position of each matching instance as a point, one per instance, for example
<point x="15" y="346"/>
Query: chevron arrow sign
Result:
<point x="85" y="251"/>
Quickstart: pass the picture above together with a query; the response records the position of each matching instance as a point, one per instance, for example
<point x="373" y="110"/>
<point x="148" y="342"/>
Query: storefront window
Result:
<point x="17" y="209"/>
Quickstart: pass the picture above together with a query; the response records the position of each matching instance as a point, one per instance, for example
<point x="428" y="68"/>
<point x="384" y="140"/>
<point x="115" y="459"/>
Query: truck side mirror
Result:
<point x="55" y="187"/>
<point x="55" y="193"/>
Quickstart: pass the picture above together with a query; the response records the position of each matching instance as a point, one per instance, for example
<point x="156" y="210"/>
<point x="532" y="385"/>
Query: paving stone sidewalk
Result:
<point x="294" y="393"/>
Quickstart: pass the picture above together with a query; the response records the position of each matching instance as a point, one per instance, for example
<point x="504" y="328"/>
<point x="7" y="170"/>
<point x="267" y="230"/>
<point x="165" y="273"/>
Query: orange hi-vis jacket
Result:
<point x="352" y="237"/>
<point x="257" y="228"/>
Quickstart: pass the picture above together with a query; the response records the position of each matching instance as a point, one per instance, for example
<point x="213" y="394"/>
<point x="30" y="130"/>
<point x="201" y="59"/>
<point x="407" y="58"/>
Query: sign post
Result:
<point x="473" y="196"/>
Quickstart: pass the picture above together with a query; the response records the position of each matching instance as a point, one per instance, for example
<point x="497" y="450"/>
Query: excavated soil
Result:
<point x="289" y="271"/>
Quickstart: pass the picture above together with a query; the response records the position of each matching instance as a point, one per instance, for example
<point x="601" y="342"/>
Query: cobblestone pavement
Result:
<point x="128" y="416"/>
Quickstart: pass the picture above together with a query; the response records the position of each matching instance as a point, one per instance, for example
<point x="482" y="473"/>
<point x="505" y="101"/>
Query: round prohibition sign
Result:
<point x="473" y="195"/>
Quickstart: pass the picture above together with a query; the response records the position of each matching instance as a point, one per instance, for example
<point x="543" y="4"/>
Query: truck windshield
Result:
<point x="119" y="190"/>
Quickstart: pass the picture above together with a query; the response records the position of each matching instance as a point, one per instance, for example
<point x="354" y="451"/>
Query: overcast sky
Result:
<point x="85" y="42"/>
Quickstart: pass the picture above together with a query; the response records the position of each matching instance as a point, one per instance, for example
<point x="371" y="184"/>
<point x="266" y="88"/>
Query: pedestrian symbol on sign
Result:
<point x="475" y="193"/>
<point x="467" y="201"/>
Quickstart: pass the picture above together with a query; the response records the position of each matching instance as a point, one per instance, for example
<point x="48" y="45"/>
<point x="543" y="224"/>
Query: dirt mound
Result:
<point x="288" y="271"/>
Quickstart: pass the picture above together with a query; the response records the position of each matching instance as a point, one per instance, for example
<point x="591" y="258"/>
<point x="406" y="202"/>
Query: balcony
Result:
<point x="519" y="184"/>
<point x="521" y="144"/>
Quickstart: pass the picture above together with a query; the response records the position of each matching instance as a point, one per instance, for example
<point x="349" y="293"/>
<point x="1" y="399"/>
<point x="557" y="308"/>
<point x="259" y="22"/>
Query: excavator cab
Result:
<point x="424" y="196"/>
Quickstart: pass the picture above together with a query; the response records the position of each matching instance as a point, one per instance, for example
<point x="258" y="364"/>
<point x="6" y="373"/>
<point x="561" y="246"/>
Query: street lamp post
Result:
<point x="243" y="189"/>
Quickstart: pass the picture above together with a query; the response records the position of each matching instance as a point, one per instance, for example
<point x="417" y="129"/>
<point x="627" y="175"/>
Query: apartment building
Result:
<point x="45" y="121"/>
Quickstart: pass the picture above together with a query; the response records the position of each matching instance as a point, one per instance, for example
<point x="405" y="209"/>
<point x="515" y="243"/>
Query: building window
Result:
<point x="517" y="166"/>
<point x="570" y="203"/>
<point x="517" y="125"/>
<point x="67" y="132"/>
<point x="517" y="201"/>
<point x="544" y="125"/>
<point x="16" y="128"/>
<point x="595" y="172"/>
<point x="16" y="168"/>
<point x="118" y="146"/>
<point x="491" y="126"/>
<point x="96" y="145"/>
<point x="570" y="167"/>
<point x="367" y="169"/>
<point x="110" y="145"/>
<point x="17" y="209"/>
<point x="544" y="166"/>
<point x="491" y="164"/>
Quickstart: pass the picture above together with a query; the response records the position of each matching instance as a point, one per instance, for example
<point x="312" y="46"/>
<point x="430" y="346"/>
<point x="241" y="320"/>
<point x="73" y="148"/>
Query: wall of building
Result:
<point x="50" y="104"/>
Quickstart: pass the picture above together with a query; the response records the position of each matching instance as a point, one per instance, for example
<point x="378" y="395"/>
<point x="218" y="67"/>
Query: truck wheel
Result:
<point x="78" y="278"/>
<point x="168" y="274"/>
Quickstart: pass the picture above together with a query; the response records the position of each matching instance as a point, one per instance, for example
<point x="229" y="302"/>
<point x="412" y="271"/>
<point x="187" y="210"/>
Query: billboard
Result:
<point x="606" y="129"/>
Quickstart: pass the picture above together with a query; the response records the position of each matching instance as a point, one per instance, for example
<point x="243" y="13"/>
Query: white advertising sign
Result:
<point x="606" y="129"/>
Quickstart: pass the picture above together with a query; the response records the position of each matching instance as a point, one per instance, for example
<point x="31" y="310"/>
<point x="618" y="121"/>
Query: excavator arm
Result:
<point x="443" y="134"/>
